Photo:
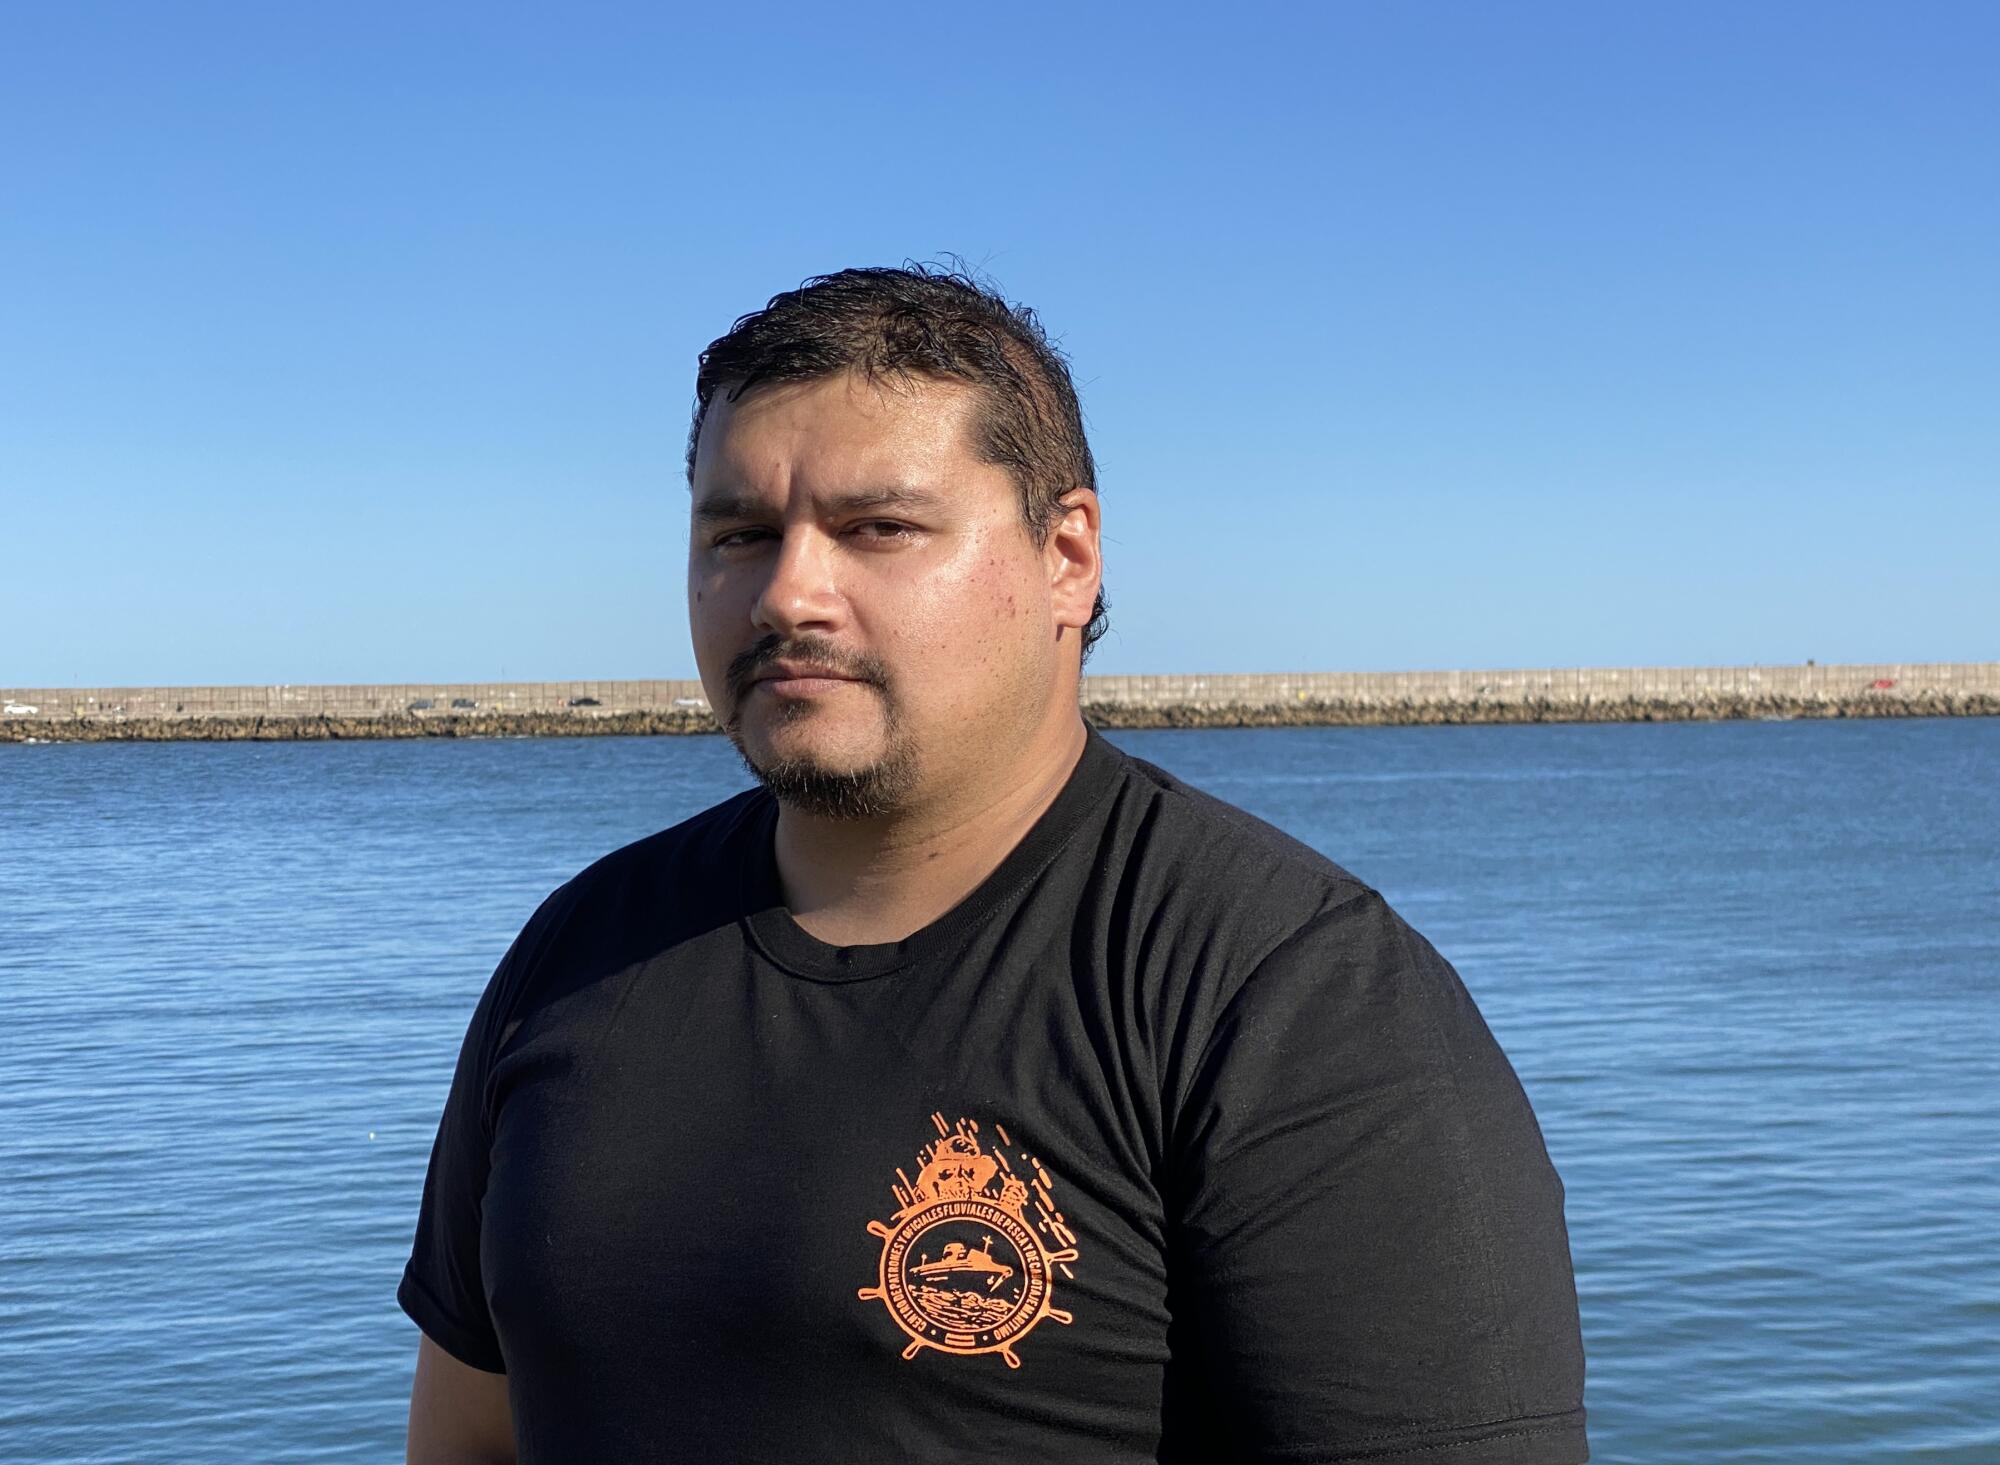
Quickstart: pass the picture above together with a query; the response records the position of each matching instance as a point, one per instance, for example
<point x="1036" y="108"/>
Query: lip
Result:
<point x="793" y="679"/>
<point x="803" y="686"/>
<point x="799" y="671"/>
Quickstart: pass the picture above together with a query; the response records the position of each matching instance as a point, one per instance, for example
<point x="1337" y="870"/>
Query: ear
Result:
<point x="1075" y="560"/>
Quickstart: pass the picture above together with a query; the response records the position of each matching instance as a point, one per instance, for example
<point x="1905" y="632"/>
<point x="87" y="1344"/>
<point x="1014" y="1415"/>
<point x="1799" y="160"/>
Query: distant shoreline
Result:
<point x="1298" y="699"/>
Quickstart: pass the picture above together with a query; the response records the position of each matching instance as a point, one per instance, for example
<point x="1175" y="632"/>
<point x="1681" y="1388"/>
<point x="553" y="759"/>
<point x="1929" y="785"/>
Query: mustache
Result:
<point x="812" y="650"/>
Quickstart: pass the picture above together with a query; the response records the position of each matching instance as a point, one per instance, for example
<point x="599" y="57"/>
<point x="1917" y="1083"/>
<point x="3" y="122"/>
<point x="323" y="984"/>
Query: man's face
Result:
<point x="871" y="616"/>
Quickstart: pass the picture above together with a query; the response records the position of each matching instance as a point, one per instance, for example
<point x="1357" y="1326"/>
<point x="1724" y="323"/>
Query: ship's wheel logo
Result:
<point x="971" y="1256"/>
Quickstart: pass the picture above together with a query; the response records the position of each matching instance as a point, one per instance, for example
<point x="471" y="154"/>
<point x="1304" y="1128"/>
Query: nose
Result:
<point x="801" y="592"/>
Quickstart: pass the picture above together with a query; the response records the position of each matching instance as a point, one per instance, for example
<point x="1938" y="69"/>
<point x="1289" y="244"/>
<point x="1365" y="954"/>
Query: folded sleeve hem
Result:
<point x="465" y="1344"/>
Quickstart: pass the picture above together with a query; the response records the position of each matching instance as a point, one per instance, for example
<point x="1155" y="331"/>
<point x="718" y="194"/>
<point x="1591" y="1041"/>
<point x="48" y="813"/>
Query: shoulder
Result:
<point x="699" y="852"/>
<point x="1175" y="845"/>
<point x="635" y="901"/>
<point x="1246" y="937"/>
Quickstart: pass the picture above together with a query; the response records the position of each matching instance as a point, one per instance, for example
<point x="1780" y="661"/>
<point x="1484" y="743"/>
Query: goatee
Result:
<point x="809" y="787"/>
<point x="802" y="782"/>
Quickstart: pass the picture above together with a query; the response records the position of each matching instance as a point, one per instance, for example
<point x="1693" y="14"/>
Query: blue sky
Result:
<point x="355" y="343"/>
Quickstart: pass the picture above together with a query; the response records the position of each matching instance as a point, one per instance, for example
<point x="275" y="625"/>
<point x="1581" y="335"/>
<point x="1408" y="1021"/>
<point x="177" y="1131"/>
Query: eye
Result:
<point x="738" y="538"/>
<point x="883" y="530"/>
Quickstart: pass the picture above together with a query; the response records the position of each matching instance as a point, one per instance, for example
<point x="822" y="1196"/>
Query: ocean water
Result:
<point x="1748" y="972"/>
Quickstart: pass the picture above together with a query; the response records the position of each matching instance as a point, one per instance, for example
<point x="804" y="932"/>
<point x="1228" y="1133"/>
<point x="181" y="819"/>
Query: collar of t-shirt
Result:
<point x="794" y="949"/>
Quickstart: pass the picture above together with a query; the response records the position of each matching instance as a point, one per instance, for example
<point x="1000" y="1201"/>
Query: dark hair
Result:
<point x="924" y="320"/>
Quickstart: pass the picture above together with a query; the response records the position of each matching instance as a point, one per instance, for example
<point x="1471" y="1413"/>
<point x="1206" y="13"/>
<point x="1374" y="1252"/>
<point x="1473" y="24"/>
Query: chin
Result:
<point x="828" y="790"/>
<point x="831" y="763"/>
<point x="831" y="773"/>
<point x="810" y="741"/>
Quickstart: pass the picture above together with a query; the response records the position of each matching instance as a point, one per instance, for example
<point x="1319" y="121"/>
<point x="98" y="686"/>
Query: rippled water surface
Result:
<point x="1749" y="973"/>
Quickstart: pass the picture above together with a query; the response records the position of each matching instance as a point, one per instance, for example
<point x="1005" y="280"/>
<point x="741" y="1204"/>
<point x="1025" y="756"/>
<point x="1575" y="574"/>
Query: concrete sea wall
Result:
<point x="544" y="709"/>
<point x="1570" y="694"/>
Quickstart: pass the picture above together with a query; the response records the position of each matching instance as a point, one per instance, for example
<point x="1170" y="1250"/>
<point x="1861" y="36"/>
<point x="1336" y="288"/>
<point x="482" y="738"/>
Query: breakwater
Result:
<point x="561" y="709"/>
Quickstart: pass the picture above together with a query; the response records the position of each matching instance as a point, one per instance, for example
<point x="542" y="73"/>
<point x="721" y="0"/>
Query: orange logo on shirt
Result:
<point x="968" y="1259"/>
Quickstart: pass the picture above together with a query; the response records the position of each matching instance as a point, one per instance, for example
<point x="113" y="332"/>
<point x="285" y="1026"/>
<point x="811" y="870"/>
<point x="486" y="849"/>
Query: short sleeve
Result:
<point x="1368" y="1241"/>
<point x="442" y="1288"/>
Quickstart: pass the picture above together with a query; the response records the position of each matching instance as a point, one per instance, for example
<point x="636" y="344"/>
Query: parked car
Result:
<point x="19" y="709"/>
<point x="585" y="702"/>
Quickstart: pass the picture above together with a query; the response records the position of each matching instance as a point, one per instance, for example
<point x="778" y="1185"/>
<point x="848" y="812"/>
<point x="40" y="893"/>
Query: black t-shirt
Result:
<point x="1170" y="1142"/>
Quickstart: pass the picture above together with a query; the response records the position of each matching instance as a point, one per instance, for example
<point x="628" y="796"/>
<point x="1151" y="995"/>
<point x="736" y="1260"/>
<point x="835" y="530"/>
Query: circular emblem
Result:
<point x="962" y="1268"/>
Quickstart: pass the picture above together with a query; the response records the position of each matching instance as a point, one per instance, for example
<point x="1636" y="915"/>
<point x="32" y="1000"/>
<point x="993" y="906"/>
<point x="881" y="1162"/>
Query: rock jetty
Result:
<point x="1441" y="712"/>
<point x="1307" y="699"/>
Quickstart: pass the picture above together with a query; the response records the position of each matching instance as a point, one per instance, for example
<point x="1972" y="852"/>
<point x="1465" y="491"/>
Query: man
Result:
<point x="969" y="1090"/>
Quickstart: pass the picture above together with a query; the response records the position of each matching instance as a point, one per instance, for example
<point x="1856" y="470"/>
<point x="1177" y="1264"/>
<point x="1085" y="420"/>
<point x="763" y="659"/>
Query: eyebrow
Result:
<point x="748" y="506"/>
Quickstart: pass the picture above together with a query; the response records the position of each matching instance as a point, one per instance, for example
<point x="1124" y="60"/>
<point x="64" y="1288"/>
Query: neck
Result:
<point x="857" y="882"/>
